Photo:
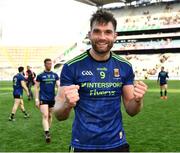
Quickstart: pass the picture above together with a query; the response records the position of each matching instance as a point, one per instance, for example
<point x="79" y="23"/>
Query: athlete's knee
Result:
<point x="45" y="116"/>
<point x="16" y="104"/>
<point x="21" y="105"/>
<point x="50" y="115"/>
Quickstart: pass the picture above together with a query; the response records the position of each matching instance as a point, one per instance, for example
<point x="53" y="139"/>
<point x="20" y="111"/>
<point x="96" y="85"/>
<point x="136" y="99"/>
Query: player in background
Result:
<point x="92" y="84"/>
<point x="45" y="95"/>
<point x="18" y="85"/>
<point x="30" y="76"/>
<point x="162" y="80"/>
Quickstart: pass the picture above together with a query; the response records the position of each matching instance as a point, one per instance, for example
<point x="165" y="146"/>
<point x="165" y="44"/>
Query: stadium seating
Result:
<point x="13" y="57"/>
<point x="147" y="45"/>
<point x="148" y="17"/>
<point x="148" y="66"/>
<point x="129" y="18"/>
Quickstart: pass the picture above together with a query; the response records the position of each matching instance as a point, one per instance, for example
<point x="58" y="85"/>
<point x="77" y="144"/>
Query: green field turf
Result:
<point x="156" y="128"/>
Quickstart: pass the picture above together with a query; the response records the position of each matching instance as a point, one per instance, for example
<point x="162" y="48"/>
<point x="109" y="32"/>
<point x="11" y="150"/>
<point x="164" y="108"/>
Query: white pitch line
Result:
<point x="6" y="93"/>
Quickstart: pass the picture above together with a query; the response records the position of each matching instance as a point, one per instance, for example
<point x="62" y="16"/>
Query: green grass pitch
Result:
<point x="155" y="128"/>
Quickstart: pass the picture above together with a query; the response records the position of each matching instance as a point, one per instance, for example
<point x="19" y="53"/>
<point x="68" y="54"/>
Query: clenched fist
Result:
<point x="140" y="89"/>
<point x="71" y="95"/>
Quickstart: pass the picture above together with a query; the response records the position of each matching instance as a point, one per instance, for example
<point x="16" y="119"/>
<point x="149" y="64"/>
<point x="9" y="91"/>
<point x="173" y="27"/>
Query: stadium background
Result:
<point x="148" y="37"/>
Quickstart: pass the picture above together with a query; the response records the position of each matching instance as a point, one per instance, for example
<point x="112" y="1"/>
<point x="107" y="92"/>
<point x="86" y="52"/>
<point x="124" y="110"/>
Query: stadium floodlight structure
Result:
<point x="101" y="3"/>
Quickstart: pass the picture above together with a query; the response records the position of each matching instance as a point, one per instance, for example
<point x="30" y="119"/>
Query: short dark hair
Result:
<point x="103" y="16"/>
<point x="47" y="60"/>
<point x="20" y="69"/>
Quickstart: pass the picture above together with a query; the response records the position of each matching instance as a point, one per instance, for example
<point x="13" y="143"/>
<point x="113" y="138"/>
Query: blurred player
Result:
<point x="18" y="85"/>
<point x="162" y="76"/>
<point x="93" y="84"/>
<point x="45" y="94"/>
<point x="30" y="81"/>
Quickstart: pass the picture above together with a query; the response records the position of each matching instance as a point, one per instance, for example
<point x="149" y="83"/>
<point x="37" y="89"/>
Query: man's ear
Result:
<point x="89" y="34"/>
<point x="115" y="36"/>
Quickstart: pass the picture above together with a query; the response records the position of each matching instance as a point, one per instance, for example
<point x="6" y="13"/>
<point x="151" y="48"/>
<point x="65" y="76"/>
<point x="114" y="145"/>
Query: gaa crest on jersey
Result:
<point x="116" y="72"/>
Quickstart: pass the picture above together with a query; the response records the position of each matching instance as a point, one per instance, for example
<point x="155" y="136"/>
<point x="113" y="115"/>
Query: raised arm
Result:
<point x="133" y="97"/>
<point x="67" y="98"/>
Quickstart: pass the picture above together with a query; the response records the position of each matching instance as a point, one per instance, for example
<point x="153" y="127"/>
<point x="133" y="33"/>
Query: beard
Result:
<point x="102" y="47"/>
<point x="48" y="68"/>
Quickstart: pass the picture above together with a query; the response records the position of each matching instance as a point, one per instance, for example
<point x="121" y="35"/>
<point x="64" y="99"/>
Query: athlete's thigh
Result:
<point x="51" y="109"/>
<point x="21" y="102"/>
<point x="161" y="87"/>
<point x="17" y="101"/>
<point x="44" y="109"/>
<point x="165" y="86"/>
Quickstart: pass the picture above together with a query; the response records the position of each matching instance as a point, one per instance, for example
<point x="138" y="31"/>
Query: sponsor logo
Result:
<point x="87" y="73"/>
<point x="102" y="69"/>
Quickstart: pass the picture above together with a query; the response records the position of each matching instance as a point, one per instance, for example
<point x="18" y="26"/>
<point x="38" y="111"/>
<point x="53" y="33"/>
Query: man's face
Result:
<point x="48" y="65"/>
<point x="102" y="37"/>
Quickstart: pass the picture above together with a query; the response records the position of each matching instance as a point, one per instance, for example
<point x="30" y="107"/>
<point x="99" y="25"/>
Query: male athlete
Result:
<point x="30" y="81"/>
<point x="45" y="94"/>
<point x="18" y="85"/>
<point x="93" y="84"/>
<point x="162" y="76"/>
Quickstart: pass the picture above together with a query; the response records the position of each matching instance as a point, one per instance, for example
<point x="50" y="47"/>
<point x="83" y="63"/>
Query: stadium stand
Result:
<point x="153" y="38"/>
<point x="148" y="17"/>
<point x="148" y="36"/>
<point x="153" y="44"/>
<point x="148" y="66"/>
<point x="12" y="57"/>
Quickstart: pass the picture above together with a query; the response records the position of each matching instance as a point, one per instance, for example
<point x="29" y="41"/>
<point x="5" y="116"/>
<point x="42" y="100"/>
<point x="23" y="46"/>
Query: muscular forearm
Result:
<point x="66" y="99"/>
<point x="36" y="92"/>
<point x="133" y="97"/>
<point x="25" y="88"/>
<point x="134" y="107"/>
<point x="62" y="110"/>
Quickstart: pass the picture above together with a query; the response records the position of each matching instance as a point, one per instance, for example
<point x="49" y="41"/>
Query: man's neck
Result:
<point x="47" y="70"/>
<point x="99" y="57"/>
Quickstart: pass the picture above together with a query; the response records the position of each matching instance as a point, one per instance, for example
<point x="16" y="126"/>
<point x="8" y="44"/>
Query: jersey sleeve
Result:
<point x="38" y="79"/>
<point x="130" y="77"/>
<point x="167" y="75"/>
<point x="22" y="78"/>
<point x="56" y="77"/>
<point x="66" y="77"/>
